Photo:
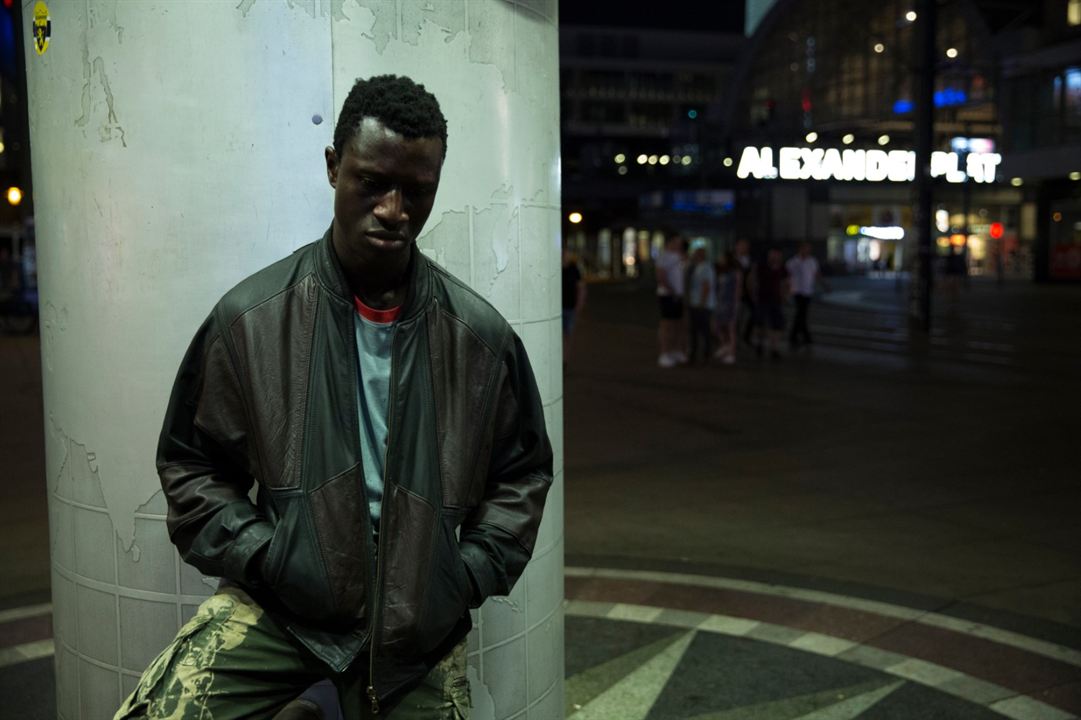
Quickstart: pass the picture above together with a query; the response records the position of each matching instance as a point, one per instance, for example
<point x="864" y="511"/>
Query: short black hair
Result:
<point x="396" y="101"/>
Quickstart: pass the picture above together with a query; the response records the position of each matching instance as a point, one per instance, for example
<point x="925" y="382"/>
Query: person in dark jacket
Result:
<point x="388" y="417"/>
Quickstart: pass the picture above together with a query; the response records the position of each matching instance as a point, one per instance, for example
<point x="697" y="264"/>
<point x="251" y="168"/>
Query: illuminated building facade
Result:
<point x="818" y="132"/>
<point x="634" y="105"/>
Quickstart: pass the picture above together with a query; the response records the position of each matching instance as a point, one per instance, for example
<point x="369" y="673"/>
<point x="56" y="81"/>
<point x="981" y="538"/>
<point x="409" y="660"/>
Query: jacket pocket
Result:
<point x="426" y="588"/>
<point x="293" y="569"/>
<point x="449" y="590"/>
<point x="406" y="537"/>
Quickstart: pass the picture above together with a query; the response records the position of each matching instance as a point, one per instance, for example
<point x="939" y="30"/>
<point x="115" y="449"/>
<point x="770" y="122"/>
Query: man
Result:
<point x="392" y="424"/>
<point x="805" y="275"/>
<point x="702" y="300"/>
<point x="771" y="286"/>
<point x="574" y="299"/>
<point x="670" y="282"/>
<point x="743" y="258"/>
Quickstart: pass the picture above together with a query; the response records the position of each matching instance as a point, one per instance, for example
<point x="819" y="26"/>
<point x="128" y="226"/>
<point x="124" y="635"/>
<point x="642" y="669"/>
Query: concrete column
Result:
<point x="177" y="147"/>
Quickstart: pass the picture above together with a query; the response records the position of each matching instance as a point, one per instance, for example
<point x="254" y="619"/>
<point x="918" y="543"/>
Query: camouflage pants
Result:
<point x="230" y="662"/>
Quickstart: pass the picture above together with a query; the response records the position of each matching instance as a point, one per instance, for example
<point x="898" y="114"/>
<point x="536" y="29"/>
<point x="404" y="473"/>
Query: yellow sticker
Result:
<point x="41" y="28"/>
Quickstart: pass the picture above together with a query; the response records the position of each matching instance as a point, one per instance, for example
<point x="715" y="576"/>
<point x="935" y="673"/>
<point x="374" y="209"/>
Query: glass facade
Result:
<point x="847" y="64"/>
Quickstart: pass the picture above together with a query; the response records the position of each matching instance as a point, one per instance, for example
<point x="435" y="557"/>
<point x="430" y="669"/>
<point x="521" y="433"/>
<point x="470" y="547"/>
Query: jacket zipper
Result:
<point x="373" y="697"/>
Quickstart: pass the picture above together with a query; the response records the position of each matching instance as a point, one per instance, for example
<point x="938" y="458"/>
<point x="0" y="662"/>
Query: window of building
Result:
<point x="1073" y="12"/>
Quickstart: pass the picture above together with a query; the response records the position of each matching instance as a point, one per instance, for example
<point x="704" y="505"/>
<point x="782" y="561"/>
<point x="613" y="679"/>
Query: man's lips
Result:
<point x="383" y="239"/>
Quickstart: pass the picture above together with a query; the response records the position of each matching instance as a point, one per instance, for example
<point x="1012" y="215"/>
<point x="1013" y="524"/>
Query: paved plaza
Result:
<point x="881" y="526"/>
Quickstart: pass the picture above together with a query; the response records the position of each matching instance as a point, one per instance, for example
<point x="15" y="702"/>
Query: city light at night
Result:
<point x="796" y="163"/>
<point x="800" y="440"/>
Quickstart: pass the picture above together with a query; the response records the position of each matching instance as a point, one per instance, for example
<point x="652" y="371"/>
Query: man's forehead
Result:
<point x="372" y="135"/>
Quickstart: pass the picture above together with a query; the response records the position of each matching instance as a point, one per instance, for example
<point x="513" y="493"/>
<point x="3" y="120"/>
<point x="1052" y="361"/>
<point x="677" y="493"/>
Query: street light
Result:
<point x="575" y="218"/>
<point x="1017" y="182"/>
<point x="727" y="162"/>
<point x="880" y="48"/>
<point x="1075" y="175"/>
<point x="951" y="53"/>
<point x="910" y="16"/>
<point x="15" y="195"/>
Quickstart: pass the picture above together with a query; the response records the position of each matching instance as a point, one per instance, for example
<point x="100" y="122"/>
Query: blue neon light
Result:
<point x="947" y="97"/>
<point x="950" y="96"/>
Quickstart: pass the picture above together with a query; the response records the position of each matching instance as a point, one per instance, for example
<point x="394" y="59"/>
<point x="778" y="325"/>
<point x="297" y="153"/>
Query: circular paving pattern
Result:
<point x="652" y="645"/>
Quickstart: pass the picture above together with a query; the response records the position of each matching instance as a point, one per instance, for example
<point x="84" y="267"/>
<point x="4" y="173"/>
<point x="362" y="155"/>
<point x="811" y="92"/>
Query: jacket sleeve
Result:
<point x="203" y="462"/>
<point x="497" y="538"/>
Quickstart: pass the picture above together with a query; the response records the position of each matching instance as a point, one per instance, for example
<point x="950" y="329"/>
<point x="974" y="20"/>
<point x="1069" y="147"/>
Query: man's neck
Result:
<point x="377" y="291"/>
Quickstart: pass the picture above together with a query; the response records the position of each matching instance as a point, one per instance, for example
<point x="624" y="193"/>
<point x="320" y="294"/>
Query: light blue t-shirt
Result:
<point x="374" y="342"/>
<point x="702" y="281"/>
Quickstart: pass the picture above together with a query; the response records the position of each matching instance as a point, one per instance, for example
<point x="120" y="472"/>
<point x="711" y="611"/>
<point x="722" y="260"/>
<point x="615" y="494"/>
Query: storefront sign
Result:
<point x="805" y="163"/>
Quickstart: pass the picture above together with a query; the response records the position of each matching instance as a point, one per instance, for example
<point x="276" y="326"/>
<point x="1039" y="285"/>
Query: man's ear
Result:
<point x="332" y="166"/>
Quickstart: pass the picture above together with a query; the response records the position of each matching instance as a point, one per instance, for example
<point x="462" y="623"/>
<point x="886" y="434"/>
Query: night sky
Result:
<point x="702" y="15"/>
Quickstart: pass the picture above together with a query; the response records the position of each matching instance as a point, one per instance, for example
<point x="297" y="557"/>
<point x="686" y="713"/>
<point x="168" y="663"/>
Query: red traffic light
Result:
<point x="996" y="230"/>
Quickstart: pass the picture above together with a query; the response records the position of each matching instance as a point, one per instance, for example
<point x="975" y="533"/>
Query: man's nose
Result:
<point x="391" y="209"/>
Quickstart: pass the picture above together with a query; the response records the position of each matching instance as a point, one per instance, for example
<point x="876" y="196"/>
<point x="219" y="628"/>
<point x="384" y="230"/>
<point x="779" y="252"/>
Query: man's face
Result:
<point x="384" y="187"/>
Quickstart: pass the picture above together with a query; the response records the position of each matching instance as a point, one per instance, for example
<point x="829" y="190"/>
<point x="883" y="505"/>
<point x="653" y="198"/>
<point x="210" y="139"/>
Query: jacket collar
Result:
<point x="330" y="272"/>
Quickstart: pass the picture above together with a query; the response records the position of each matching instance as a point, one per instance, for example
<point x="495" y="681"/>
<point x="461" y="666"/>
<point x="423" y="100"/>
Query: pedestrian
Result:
<point x="746" y="265"/>
<point x="804" y="276"/>
<point x="9" y="273"/>
<point x="726" y="316"/>
<point x="771" y="288"/>
<point x="391" y="422"/>
<point x="670" y="284"/>
<point x="702" y="298"/>
<point x="574" y="299"/>
<point x="956" y="270"/>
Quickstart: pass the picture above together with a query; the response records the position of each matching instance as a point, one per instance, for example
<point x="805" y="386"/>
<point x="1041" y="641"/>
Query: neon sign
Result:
<point x="805" y="163"/>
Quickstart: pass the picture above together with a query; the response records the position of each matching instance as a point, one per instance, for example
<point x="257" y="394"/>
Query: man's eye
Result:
<point x="371" y="181"/>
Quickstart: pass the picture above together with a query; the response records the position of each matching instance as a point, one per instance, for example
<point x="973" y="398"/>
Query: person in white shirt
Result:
<point x="670" y="280"/>
<point x="803" y="272"/>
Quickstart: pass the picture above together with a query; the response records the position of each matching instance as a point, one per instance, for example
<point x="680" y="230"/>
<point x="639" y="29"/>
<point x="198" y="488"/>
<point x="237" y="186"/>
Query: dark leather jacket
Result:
<point x="267" y="394"/>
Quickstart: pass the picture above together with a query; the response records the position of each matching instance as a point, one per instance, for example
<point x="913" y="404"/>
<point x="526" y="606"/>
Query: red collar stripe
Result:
<point x="377" y="316"/>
